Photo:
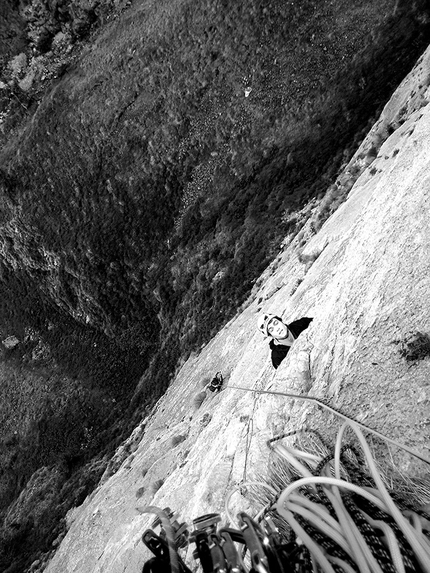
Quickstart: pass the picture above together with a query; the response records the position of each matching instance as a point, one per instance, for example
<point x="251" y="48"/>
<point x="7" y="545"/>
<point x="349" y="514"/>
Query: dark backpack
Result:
<point x="216" y="383"/>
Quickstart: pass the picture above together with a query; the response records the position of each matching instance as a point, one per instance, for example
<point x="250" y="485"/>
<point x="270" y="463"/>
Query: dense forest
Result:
<point x="142" y="194"/>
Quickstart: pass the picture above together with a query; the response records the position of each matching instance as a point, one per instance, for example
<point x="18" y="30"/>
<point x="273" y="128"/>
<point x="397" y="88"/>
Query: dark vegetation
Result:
<point x="145" y="197"/>
<point x="415" y="346"/>
<point x="12" y="33"/>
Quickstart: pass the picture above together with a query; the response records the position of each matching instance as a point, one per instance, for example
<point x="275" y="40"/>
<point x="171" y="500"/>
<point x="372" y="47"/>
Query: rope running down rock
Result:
<point x="321" y="403"/>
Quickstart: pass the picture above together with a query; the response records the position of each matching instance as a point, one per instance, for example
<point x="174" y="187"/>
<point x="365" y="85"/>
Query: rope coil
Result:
<point x="293" y="503"/>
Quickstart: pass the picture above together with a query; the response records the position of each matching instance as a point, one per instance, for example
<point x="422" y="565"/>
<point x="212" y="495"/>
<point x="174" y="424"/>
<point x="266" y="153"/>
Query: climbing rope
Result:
<point x="249" y="434"/>
<point x="323" y="404"/>
<point x="337" y="519"/>
<point x="250" y="427"/>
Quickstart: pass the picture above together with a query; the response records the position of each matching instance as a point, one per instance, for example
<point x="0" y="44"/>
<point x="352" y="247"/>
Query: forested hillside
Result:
<point x="144" y="192"/>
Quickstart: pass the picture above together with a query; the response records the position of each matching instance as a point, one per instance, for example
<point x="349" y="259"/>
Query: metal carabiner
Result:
<point x="252" y="533"/>
<point x="234" y="561"/>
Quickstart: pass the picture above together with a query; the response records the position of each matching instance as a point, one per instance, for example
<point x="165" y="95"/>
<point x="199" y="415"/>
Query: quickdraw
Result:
<point x="218" y="549"/>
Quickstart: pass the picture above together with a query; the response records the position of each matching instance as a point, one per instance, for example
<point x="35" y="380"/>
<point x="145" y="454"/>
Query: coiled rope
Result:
<point x="344" y="530"/>
<point x="350" y="525"/>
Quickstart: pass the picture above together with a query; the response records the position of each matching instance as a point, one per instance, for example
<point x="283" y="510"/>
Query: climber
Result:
<point x="283" y="335"/>
<point x="216" y="383"/>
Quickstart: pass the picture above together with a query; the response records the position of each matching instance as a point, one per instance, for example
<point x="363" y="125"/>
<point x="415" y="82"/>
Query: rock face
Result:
<point x="365" y="278"/>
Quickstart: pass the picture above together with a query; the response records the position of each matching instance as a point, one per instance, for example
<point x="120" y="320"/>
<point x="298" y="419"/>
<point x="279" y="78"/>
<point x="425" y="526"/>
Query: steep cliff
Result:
<point x="148" y="175"/>
<point x="365" y="278"/>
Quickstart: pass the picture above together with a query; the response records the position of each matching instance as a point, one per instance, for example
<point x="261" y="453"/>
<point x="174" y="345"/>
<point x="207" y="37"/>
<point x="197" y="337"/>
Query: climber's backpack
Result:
<point x="216" y="383"/>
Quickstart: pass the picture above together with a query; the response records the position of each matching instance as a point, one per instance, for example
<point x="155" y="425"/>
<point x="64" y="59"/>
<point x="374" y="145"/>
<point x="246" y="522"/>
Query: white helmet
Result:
<point x="263" y="322"/>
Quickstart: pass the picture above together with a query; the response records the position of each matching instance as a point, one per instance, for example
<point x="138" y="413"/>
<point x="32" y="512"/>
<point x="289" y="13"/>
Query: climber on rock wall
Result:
<point x="283" y="335"/>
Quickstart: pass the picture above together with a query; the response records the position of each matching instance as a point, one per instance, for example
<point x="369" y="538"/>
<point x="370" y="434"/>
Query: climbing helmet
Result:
<point x="263" y="322"/>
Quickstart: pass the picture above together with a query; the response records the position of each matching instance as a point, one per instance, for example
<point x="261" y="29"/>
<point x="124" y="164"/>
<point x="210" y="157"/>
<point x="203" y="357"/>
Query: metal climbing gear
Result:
<point x="159" y="544"/>
<point x="218" y="551"/>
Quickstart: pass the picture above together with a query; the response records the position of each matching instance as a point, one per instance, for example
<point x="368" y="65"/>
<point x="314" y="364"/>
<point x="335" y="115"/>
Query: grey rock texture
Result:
<point x="366" y="282"/>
